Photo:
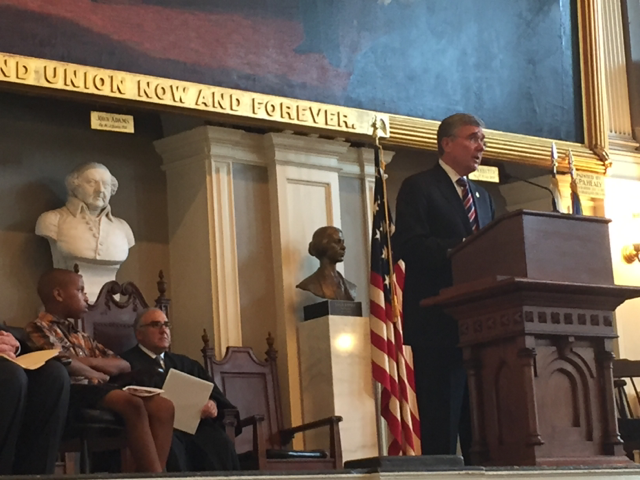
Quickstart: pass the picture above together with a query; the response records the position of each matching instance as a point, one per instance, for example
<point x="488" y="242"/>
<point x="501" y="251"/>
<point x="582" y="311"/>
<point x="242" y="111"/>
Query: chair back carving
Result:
<point x="252" y="386"/>
<point x="109" y="319"/>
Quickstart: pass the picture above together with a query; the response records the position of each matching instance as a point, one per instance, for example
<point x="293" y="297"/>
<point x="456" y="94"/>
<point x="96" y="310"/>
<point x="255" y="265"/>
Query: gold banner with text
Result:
<point x="68" y="77"/>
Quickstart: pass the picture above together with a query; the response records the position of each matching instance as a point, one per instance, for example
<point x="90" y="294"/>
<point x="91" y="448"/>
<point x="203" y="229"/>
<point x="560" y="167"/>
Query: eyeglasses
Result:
<point x="157" y="325"/>
<point x="475" y="139"/>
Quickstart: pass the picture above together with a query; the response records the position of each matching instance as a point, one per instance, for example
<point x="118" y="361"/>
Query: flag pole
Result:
<point x="576" y="204"/>
<point x="394" y="294"/>
<point x="392" y="363"/>
<point x="381" y="425"/>
<point x="556" y="198"/>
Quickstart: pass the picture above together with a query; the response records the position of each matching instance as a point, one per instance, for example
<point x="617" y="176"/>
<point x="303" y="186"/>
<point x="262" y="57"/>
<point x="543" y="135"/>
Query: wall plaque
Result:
<point x="112" y="122"/>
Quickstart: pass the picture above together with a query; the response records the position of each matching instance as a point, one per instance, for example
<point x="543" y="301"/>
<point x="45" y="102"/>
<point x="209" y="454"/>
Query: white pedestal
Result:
<point x="335" y="372"/>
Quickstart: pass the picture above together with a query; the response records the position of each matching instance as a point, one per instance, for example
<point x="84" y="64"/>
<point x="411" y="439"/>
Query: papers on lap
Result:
<point x="33" y="360"/>
<point x="139" y="391"/>
<point x="188" y="394"/>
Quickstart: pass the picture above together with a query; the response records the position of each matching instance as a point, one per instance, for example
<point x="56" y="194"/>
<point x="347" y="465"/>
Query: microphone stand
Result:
<point x="554" y="206"/>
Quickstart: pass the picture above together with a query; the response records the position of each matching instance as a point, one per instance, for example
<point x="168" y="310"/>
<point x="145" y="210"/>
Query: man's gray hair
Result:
<point x="141" y="314"/>
<point x="451" y="124"/>
<point x="73" y="179"/>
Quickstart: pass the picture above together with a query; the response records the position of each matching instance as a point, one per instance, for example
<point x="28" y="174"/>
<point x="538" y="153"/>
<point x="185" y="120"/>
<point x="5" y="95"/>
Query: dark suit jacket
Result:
<point x="140" y="361"/>
<point x="430" y="220"/>
<point x="21" y="335"/>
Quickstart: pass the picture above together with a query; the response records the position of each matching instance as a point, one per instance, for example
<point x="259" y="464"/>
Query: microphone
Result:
<point x="507" y="176"/>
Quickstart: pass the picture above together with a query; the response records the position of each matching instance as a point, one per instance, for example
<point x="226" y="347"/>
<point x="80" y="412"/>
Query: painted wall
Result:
<point x="513" y="62"/>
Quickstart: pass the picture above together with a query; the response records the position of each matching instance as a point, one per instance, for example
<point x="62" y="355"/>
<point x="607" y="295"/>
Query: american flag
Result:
<point x="392" y="361"/>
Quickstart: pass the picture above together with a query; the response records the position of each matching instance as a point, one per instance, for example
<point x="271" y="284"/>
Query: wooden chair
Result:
<point x="624" y="373"/>
<point x="253" y="387"/>
<point x="109" y="320"/>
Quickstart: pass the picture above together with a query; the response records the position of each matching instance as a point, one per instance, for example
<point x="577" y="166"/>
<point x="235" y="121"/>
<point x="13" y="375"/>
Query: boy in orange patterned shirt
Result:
<point x="148" y="421"/>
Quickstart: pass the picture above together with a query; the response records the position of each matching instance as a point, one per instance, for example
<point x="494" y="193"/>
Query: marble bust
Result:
<point x="84" y="231"/>
<point x="327" y="245"/>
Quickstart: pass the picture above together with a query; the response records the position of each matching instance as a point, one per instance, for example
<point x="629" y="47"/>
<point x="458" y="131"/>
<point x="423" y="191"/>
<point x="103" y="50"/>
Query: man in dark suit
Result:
<point x="209" y="449"/>
<point x="435" y="211"/>
<point x="33" y="410"/>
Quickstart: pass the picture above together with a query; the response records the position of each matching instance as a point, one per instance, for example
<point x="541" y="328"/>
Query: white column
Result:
<point x="304" y="193"/>
<point x="202" y="241"/>
<point x="615" y="67"/>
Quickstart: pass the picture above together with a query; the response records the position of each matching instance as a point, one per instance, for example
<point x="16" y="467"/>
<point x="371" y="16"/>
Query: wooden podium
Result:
<point x="534" y="299"/>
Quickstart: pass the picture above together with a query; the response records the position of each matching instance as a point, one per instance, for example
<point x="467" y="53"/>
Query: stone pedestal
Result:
<point x="335" y="372"/>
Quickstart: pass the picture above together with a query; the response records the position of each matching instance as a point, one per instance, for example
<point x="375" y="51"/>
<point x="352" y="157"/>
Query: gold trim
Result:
<point x="413" y="132"/>
<point x="120" y="87"/>
<point x="594" y="94"/>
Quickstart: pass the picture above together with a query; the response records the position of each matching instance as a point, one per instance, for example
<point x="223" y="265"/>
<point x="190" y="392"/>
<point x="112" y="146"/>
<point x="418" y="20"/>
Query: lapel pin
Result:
<point x="477" y="195"/>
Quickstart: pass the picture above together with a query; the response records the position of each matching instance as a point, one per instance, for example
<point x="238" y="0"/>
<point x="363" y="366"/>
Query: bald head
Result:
<point x="62" y="293"/>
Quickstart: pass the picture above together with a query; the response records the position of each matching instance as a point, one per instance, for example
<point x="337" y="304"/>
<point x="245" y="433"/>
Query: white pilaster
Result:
<point x="304" y="193"/>
<point x="202" y="241"/>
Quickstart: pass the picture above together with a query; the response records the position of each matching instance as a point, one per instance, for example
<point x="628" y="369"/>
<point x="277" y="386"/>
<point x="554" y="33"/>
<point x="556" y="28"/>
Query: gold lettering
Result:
<point x="51" y="74"/>
<point x="144" y="88"/>
<point x="79" y="78"/>
<point x="203" y="99"/>
<point x="286" y="111"/>
<point x="22" y="70"/>
<point x="71" y="77"/>
<point x="161" y="91"/>
<point x="315" y="114"/>
<point x="179" y="92"/>
<point x="235" y="103"/>
<point x="220" y="100"/>
<point x="332" y="118"/>
<point x="303" y="113"/>
<point x="257" y="105"/>
<point x="5" y="69"/>
<point x="270" y="108"/>
<point x="119" y="85"/>
<point x="343" y="121"/>
<point x="100" y="82"/>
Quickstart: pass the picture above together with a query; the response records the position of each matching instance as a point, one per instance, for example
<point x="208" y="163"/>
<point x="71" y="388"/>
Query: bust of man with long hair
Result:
<point x="327" y="245"/>
<point x="84" y="231"/>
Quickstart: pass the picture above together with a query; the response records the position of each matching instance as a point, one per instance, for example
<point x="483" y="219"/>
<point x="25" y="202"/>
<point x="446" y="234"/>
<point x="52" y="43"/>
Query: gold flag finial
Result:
<point x="572" y="168"/>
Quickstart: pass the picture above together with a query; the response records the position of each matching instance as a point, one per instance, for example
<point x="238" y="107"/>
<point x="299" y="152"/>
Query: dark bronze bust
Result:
<point x="327" y="245"/>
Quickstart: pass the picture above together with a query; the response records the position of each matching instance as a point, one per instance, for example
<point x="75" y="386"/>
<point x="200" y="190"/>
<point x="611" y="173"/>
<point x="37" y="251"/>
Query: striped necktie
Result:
<point x="467" y="201"/>
<point x="158" y="359"/>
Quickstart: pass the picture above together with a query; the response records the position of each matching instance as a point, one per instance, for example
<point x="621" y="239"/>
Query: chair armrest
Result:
<point x="231" y="422"/>
<point x="259" y="445"/>
<point x="253" y="420"/>
<point x="287" y="434"/>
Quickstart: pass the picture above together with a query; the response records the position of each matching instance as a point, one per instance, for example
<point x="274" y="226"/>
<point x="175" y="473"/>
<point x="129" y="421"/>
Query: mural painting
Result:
<point x="513" y="62"/>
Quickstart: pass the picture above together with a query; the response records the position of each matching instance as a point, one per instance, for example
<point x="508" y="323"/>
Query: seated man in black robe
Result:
<point x="33" y="409"/>
<point x="209" y="448"/>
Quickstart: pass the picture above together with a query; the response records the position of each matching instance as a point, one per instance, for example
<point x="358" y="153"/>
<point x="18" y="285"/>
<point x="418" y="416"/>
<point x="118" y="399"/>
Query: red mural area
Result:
<point x="260" y="46"/>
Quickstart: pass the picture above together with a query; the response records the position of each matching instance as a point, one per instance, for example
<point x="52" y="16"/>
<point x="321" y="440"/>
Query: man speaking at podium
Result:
<point x="435" y="211"/>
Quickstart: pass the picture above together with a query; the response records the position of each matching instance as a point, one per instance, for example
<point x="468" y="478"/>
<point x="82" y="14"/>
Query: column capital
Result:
<point x="304" y="151"/>
<point x="210" y="143"/>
